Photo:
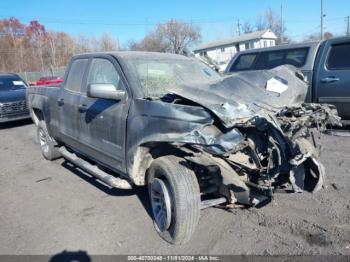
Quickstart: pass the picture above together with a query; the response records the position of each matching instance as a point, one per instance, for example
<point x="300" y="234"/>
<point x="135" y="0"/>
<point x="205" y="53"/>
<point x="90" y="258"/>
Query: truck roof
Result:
<point x="308" y="65"/>
<point x="135" y="54"/>
<point x="311" y="44"/>
<point x="281" y="47"/>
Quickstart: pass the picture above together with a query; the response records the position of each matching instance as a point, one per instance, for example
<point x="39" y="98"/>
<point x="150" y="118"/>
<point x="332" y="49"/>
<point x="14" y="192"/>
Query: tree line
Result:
<point x="25" y="48"/>
<point x="31" y="47"/>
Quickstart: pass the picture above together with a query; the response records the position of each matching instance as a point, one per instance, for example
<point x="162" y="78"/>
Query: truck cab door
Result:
<point x="332" y="80"/>
<point x="68" y="103"/>
<point x="103" y="121"/>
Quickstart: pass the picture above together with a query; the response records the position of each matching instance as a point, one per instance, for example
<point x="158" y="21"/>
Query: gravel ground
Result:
<point x="47" y="207"/>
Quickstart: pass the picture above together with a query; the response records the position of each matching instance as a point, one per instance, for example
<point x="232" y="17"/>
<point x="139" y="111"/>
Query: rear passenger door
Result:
<point x="332" y="81"/>
<point x="68" y="102"/>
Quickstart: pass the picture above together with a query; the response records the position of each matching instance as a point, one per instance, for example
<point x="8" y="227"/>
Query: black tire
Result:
<point x="48" y="148"/>
<point x="183" y="189"/>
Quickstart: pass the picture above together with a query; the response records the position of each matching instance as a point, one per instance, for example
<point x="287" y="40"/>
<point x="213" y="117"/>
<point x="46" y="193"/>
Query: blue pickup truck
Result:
<point x="325" y="64"/>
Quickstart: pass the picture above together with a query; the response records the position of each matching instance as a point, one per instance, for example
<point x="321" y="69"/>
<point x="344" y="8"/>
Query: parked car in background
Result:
<point x="172" y="123"/>
<point x="12" y="98"/>
<point x="47" y="80"/>
<point x="326" y="66"/>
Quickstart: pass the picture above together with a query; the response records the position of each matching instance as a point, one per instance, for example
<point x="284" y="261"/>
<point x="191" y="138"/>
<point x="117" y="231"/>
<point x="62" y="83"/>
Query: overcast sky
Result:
<point x="131" y="19"/>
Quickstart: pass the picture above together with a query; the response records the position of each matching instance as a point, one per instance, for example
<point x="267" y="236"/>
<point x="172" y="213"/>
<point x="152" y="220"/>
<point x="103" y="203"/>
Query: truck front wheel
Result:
<point x="48" y="148"/>
<point x="175" y="199"/>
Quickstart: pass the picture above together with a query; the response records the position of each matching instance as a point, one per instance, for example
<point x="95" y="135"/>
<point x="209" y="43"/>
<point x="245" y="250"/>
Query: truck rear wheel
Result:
<point x="175" y="199"/>
<point x="48" y="149"/>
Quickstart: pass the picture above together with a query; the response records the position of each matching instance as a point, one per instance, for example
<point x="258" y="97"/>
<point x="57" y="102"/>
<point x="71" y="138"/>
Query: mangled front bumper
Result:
<point x="260" y="159"/>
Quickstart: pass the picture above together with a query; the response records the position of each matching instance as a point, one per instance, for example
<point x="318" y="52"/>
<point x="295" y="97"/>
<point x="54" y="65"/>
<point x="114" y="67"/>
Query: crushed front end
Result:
<point x="261" y="142"/>
<point x="273" y="153"/>
<point x="246" y="136"/>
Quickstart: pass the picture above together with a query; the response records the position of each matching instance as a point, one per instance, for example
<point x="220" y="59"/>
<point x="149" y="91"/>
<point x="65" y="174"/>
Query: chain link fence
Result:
<point x="34" y="76"/>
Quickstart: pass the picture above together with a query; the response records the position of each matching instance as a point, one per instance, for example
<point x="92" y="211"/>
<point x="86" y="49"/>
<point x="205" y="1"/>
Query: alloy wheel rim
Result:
<point x="161" y="204"/>
<point x="43" y="140"/>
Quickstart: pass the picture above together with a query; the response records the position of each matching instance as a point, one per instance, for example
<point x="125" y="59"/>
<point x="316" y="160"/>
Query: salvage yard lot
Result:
<point x="47" y="207"/>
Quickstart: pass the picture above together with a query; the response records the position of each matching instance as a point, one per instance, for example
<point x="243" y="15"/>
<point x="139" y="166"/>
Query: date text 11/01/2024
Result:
<point x="173" y="258"/>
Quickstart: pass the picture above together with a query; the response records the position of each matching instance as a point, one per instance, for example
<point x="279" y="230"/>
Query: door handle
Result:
<point x="82" y="108"/>
<point x="60" y="102"/>
<point x="329" y="79"/>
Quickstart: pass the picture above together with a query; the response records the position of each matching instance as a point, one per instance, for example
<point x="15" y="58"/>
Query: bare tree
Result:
<point x="269" y="20"/>
<point x="327" y="35"/>
<point x="172" y="36"/>
<point x="82" y="44"/>
<point x="108" y="43"/>
<point x="133" y="45"/>
<point x="316" y="37"/>
<point x="52" y="39"/>
<point x="261" y="22"/>
<point x="38" y="35"/>
<point x="152" y="42"/>
<point x="12" y="32"/>
<point x="178" y="35"/>
<point x="247" y="28"/>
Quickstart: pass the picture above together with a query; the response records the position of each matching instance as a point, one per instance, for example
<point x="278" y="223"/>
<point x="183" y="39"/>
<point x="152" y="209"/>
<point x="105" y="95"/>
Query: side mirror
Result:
<point x="106" y="91"/>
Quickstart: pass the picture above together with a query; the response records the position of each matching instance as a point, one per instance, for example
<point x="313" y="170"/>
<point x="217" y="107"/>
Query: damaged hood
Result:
<point x="237" y="98"/>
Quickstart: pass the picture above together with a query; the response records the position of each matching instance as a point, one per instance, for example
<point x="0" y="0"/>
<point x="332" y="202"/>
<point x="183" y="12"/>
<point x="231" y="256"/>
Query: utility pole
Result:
<point x="322" y="15"/>
<point x="347" y="19"/>
<point x="238" y="27"/>
<point x="282" y="25"/>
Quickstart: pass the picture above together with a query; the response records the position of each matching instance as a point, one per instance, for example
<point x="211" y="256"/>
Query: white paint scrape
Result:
<point x="276" y="85"/>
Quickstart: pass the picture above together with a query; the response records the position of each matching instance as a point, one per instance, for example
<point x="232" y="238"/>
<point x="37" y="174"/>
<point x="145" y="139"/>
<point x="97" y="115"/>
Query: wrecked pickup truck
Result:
<point x="194" y="138"/>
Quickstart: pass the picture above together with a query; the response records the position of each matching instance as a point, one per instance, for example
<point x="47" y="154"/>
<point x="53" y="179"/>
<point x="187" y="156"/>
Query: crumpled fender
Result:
<point x="230" y="184"/>
<point x="157" y="121"/>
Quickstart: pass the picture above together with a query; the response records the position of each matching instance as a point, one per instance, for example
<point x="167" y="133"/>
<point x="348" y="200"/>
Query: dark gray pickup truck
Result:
<point x="194" y="138"/>
<point x="12" y="98"/>
<point x="325" y="64"/>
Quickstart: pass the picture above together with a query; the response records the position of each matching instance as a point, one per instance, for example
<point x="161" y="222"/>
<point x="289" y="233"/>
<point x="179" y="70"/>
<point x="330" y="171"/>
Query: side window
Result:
<point x="275" y="59"/>
<point x="243" y="62"/>
<point x="102" y="71"/>
<point x="76" y="74"/>
<point x="262" y="61"/>
<point x="339" y="57"/>
<point x="297" y="57"/>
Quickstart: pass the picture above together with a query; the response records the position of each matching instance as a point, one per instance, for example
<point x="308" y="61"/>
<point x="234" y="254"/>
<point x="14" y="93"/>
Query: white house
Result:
<point x="223" y="50"/>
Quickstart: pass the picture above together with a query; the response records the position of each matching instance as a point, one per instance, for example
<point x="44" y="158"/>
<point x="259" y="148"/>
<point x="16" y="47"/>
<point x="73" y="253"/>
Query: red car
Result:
<point x="47" y="80"/>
